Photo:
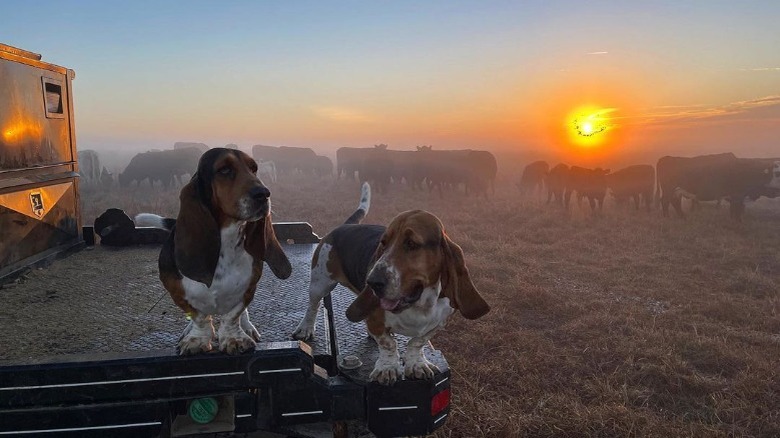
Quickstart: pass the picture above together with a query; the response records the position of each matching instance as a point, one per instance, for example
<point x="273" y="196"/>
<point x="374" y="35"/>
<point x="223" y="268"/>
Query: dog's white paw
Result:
<point x="304" y="332"/>
<point x="419" y="368"/>
<point x="236" y="344"/>
<point x="189" y="345"/>
<point x="386" y="372"/>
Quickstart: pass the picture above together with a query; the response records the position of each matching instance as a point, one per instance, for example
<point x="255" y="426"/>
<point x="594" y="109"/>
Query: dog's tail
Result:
<point x="154" y="221"/>
<point x="365" y="204"/>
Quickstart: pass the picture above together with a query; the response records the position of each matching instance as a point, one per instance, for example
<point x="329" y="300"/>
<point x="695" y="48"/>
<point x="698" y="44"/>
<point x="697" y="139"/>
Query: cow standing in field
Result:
<point x="288" y="159"/>
<point x="377" y="168"/>
<point x="588" y="183"/>
<point x="636" y="182"/>
<point x="164" y="167"/>
<point x="475" y="169"/>
<point x="484" y="169"/>
<point x="349" y="161"/>
<point x="671" y="171"/>
<point x="557" y="179"/>
<point x="89" y="166"/>
<point x="712" y="177"/>
<point x="533" y="177"/>
<point x="322" y="166"/>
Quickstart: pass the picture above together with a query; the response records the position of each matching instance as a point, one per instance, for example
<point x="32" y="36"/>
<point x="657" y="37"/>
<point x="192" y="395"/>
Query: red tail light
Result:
<point x="439" y="402"/>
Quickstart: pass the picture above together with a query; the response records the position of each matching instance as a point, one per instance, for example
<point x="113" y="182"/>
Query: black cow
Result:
<point x="287" y="159"/>
<point x="557" y="179"/>
<point x="533" y="177"/>
<point x="377" y="168"/>
<point x="712" y="177"/>
<point x="671" y="170"/>
<point x="636" y="182"/>
<point x="588" y="183"/>
<point x="349" y="161"/>
<point x="323" y="166"/>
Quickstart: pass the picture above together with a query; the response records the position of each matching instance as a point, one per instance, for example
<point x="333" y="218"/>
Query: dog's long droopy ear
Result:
<point x="456" y="282"/>
<point x="261" y="242"/>
<point x="196" y="238"/>
<point x="365" y="304"/>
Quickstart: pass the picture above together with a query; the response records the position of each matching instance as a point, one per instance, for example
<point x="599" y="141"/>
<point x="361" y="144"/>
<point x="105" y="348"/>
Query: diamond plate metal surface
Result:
<point x="103" y="300"/>
<point x="106" y="300"/>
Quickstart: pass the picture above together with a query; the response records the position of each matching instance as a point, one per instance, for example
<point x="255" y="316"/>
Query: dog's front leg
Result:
<point x="197" y="335"/>
<point x="388" y="365"/>
<point x="320" y="285"/>
<point x="415" y="364"/>
<point x="232" y="338"/>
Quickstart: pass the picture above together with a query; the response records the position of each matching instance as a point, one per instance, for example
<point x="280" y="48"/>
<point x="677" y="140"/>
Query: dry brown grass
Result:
<point x="621" y="324"/>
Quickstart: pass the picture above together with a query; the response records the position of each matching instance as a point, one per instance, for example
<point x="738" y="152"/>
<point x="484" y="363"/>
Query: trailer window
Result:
<point x="52" y="98"/>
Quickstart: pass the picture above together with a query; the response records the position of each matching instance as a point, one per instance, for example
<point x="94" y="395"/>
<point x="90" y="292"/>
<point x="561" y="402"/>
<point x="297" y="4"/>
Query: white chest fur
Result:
<point x="231" y="278"/>
<point x="428" y="313"/>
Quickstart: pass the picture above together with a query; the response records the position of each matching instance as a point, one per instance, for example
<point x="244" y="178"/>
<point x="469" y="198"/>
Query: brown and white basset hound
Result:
<point x="214" y="256"/>
<point x="409" y="277"/>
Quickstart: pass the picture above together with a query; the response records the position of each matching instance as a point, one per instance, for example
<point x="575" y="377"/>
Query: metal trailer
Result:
<point x="39" y="205"/>
<point x="87" y="352"/>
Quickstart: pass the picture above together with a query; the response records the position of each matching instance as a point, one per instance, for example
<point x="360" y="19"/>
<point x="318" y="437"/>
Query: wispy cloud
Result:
<point x="761" y="69"/>
<point x="761" y="108"/>
<point x="341" y="114"/>
<point x="597" y="53"/>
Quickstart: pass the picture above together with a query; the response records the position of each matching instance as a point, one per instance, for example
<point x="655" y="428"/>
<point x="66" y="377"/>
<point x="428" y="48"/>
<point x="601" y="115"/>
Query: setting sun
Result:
<point x="589" y="126"/>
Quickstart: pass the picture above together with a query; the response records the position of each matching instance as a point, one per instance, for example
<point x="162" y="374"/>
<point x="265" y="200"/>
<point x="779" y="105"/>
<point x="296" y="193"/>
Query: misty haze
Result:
<point x="596" y="251"/>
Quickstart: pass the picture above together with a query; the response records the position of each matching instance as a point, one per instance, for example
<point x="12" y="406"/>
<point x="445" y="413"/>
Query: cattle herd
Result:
<point x="702" y="178"/>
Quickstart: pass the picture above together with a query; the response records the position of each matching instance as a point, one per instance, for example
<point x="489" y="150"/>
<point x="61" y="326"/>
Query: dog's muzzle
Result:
<point x="257" y="203"/>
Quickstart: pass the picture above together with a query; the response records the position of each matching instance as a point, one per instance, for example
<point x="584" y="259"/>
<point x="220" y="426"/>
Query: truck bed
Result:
<point x="110" y="300"/>
<point x="99" y="327"/>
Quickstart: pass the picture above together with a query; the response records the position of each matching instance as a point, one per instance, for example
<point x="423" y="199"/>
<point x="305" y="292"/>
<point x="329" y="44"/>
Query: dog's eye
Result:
<point x="411" y="245"/>
<point x="227" y="170"/>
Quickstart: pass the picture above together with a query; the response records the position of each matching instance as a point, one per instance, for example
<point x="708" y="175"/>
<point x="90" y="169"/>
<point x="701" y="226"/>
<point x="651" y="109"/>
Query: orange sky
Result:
<point x="678" y="77"/>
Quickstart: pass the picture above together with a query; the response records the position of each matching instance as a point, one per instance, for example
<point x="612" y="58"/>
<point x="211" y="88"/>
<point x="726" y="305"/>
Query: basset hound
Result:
<point x="214" y="256"/>
<point x="409" y="277"/>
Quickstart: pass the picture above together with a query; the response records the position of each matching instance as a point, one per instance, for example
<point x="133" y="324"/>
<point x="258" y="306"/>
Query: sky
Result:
<point x="647" y="78"/>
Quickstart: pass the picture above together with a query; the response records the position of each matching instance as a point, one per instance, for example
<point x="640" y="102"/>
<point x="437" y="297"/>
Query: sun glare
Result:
<point x="589" y="126"/>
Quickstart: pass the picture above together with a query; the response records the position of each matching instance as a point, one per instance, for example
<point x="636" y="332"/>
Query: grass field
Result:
<point x="618" y="324"/>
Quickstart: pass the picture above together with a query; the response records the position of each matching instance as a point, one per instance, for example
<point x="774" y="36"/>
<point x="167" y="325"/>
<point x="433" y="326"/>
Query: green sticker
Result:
<point x="203" y="410"/>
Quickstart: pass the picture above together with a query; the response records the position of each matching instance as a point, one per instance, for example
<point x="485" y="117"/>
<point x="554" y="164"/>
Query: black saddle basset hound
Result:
<point x="213" y="259"/>
<point x="409" y="277"/>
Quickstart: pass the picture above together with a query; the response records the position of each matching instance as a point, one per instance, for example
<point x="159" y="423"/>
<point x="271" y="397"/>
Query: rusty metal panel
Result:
<point x="28" y="138"/>
<point x="36" y="219"/>
<point x="39" y="211"/>
<point x="20" y="52"/>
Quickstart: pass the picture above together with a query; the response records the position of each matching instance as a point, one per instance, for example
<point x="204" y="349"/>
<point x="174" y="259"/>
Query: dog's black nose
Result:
<point x="260" y="192"/>
<point x="378" y="286"/>
<point x="377" y="280"/>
